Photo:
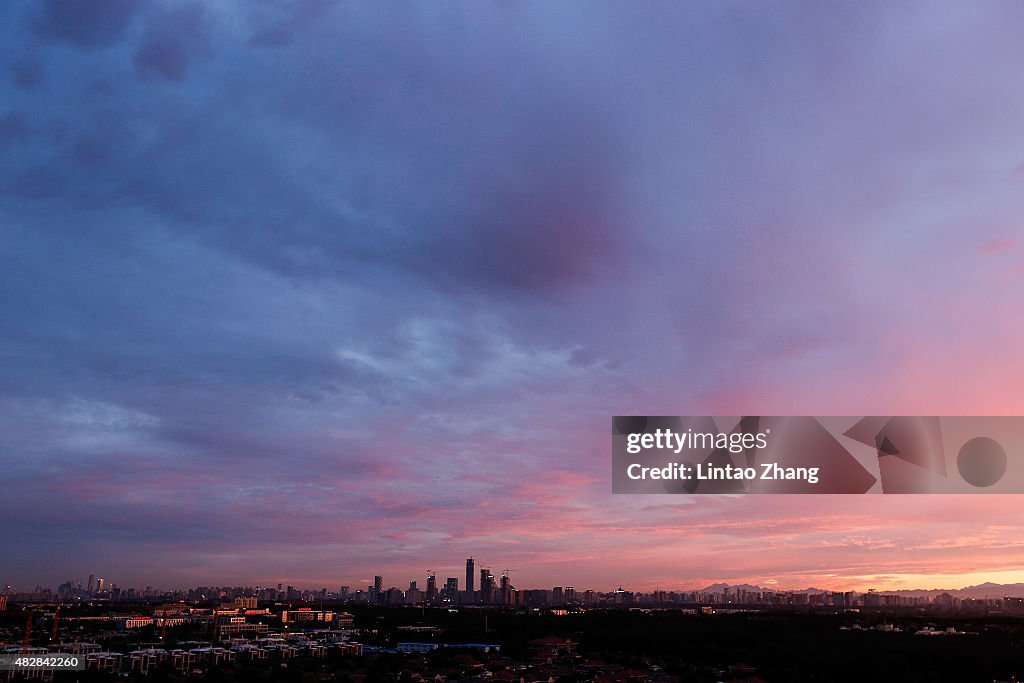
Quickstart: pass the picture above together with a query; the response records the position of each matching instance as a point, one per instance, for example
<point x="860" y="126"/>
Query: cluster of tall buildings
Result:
<point x="93" y="588"/>
<point x="480" y="586"/>
<point x="489" y="591"/>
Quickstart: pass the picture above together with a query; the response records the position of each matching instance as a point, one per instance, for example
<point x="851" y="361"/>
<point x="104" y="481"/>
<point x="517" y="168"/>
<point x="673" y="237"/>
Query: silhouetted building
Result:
<point x="377" y="590"/>
<point x="535" y="597"/>
<point x="470" y="569"/>
<point x="431" y="588"/>
<point x="450" y="593"/>
<point x="486" y="586"/>
<point x="507" y="592"/>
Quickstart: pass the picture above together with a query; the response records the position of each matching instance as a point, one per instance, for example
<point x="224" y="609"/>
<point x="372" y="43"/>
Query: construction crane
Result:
<point x="506" y="581"/>
<point x="56" y="619"/>
<point x="28" y="633"/>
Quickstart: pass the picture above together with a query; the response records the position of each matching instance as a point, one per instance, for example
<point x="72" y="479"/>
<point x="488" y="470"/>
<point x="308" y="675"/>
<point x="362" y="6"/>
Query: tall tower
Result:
<point x="486" y="586"/>
<point x="506" y="588"/>
<point x="470" y="579"/>
<point x="431" y="587"/>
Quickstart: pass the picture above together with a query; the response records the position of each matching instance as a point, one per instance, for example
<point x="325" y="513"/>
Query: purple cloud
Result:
<point x="171" y="42"/>
<point x="86" y="24"/>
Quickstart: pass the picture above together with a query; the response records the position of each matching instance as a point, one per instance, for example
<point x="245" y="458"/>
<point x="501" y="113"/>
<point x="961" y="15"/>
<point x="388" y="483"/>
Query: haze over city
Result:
<point x="309" y="292"/>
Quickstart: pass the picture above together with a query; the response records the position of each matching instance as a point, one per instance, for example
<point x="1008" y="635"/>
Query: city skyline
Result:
<point x="379" y="583"/>
<point x="314" y="291"/>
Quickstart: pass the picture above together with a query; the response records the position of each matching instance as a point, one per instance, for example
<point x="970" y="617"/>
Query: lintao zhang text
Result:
<point x="769" y="471"/>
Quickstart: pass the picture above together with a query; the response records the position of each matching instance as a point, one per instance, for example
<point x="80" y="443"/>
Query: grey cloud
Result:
<point x="27" y="74"/>
<point x="285" y="21"/>
<point x="14" y="128"/>
<point x="86" y="24"/>
<point x="171" y="42"/>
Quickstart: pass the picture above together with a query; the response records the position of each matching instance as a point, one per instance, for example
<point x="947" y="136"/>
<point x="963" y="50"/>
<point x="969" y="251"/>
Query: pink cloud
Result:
<point x="998" y="246"/>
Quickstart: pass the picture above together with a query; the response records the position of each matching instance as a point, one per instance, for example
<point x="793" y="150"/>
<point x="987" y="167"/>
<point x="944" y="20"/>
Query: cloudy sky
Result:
<point x="310" y="291"/>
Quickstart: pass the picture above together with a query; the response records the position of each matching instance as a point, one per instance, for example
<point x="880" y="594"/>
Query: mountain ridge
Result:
<point x="981" y="590"/>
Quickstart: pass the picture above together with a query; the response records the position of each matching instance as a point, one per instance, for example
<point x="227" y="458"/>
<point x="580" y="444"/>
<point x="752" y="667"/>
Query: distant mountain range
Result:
<point x="982" y="590"/>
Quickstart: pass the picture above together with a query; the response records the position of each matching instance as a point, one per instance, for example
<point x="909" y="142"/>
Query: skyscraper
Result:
<point x="506" y="590"/>
<point x="470" y="579"/>
<point x="486" y="586"/>
<point x="450" y="594"/>
<point x="431" y="587"/>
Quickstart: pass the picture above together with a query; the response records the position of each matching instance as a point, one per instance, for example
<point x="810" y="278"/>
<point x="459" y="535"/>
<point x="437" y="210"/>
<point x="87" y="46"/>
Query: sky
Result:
<point x="307" y="291"/>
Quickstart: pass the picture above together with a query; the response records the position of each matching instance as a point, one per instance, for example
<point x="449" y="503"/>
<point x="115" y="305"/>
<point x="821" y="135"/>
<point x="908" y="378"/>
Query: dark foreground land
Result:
<point x="635" y="646"/>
